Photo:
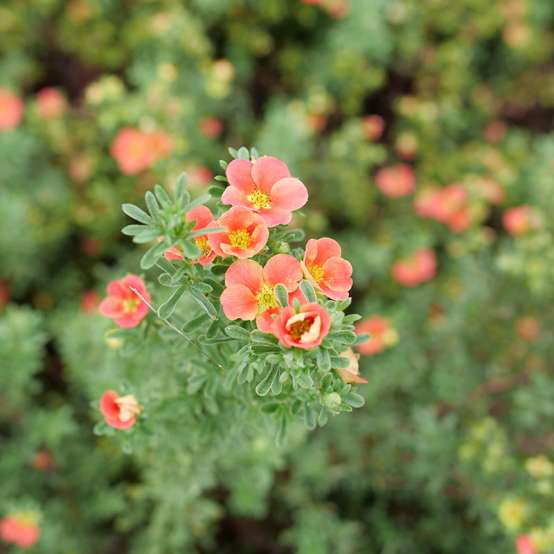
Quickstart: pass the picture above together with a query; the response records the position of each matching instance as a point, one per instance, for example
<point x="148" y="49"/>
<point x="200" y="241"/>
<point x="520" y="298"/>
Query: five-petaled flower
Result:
<point x="305" y="327"/>
<point x="119" y="412"/>
<point x="326" y="269"/>
<point x="20" y="529"/>
<point x="122" y="304"/>
<point x="245" y="234"/>
<point x="266" y="187"/>
<point x="351" y="374"/>
<point x="249" y="292"/>
<point x="418" y="267"/>
<point x="204" y="219"/>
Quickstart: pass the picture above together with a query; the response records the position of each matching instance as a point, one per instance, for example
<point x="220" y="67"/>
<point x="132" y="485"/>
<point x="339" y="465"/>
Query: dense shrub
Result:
<point x="422" y="131"/>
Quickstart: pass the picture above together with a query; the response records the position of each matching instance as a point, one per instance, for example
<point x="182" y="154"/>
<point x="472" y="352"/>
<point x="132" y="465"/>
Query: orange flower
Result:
<point x="325" y="268"/>
<point x="305" y="328"/>
<point x="122" y="304"/>
<point x="381" y="335"/>
<point x="119" y="412"/>
<point x="249" y="292"/>
<point x="245" y="234"/>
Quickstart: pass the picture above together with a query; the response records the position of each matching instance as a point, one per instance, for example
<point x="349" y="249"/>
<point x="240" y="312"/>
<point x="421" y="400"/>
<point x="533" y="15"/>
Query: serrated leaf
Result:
<point x="136" y="213"/>
<point x="308" y="291"/>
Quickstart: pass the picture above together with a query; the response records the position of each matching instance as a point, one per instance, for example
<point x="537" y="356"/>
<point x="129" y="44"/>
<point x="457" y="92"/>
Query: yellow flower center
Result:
<point x="203" y="244"/>
<point x="240" y="239"/>
<point x="266" y="299"/>
<point x="130" y="305"/>
<point x="259" y="200"/>
<point x="317" y="272"/>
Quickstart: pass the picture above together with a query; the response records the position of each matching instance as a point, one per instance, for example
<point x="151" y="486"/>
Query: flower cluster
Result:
<point x="290" y="294"/>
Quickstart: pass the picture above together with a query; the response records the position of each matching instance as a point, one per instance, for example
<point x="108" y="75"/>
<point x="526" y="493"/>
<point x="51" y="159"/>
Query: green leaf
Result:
<point x="202" y="232"/>
<point x="168" y="307"/>
<point x="282" y="295"/>
<point x="343" y="304"/>
<point x="152" y="255"/>
<point x="323" y="359"/>
<point x="237" y="332"/>
<point x="309" y="418"/>
<point x="148" y="234"/>
<point x="181" y="191"/>
<point x="152" y="205"/>
<point x="221" y="178"/>
<point x="223" y="164"/>
<point x="308" y="291"/>
<point x="233" y="152"/>
<point x="204" y="303"/>
<point x="136" y="213"/>
<point x="162" y="196"/>
<point x="294" y="235"/>
<point x="343" y="337"/>
<point x="339" y="362"/>
<point x="264" y="386"/>
<point x="191" y="249"/>
<point x="131" y="230"/>
<point x="196" y="382"/>
<point x="354" y="399"/>
<point x="243" y="153"/>
<point x="254" y="154"/>
<point x="195" y="323"/>
<point x="361" y="338"/>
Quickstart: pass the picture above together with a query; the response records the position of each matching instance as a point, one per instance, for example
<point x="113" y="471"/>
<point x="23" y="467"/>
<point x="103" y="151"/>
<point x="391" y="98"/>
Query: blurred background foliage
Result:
<point x="418" y="126"/>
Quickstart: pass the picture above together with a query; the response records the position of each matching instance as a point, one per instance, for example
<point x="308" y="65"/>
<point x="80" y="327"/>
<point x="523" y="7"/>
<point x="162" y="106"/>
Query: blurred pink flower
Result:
<point x="20" y="529"/>
<point x="520" y="220"/>
<point x="381" y="335"/>
<point x="373" y="127"/>
<point x="119" y="412"/>
<point x="11" y="110"/>
<point x="395" y="181"/>
<point x="418" y="267"/>
<point x="51" y="103"/>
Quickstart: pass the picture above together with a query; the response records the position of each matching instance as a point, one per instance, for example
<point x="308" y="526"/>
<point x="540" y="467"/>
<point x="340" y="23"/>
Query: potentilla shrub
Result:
<point x="269" y="323"/>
